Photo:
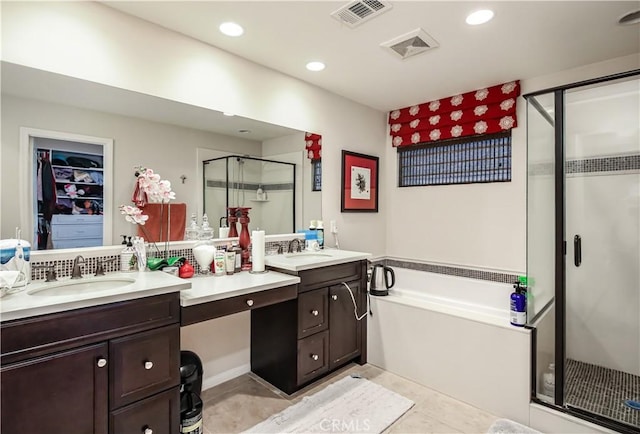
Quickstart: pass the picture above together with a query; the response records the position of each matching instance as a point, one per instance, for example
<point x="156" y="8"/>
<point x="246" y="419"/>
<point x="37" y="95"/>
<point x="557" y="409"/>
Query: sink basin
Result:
<point x="81" y="286"/>
<point x="306" y="255"/>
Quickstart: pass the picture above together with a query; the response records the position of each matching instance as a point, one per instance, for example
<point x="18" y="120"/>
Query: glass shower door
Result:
<point x="602" y="262"/>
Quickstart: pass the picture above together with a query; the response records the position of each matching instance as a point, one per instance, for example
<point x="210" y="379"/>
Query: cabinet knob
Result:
<point x="102" y="363"/>
<point x="334" y="297"/>
<point x="314" y="356"/>
<point x="314" y="312"/>
<point x="250" y="302"/>
<point x="148" y="365"/>
<point x="148" y="430"/>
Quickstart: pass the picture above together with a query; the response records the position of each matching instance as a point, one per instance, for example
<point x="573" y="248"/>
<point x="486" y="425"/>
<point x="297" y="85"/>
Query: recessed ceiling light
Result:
<point x="315" y="66"/>
<point x="231" y="29"/>
<point x="479" y="17"/>
<point x="228" y="114"/>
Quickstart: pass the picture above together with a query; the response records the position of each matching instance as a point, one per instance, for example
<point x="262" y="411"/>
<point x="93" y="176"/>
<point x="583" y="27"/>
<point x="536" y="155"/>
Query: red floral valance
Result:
<point x="483" y="111"/>
<point x="313" y="146"/>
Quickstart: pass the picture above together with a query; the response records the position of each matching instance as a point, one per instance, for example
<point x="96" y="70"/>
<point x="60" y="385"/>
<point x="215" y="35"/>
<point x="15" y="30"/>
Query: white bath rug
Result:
<point x="506" y="426"/>
<point x="350" y="405"/>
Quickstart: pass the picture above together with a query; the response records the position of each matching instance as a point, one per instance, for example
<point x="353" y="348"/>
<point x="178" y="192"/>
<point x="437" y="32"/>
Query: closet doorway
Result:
<point x="67" y="183"/>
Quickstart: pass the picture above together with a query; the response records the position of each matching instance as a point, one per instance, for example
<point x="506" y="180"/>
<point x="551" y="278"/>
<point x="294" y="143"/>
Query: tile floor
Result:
<point x="238" y="404"/>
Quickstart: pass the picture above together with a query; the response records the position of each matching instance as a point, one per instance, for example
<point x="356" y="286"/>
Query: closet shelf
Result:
<point x="64" y="181"/>
<point x="80" y="197"/>
<point x="95" y="169"/>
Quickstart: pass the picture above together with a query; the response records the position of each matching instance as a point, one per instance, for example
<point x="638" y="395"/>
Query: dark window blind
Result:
<point x="462" y="161"/>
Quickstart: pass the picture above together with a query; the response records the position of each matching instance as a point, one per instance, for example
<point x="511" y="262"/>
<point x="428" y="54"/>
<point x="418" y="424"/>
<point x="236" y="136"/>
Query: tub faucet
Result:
<point x="76" y="271"/>
<point x="297" y="242"/>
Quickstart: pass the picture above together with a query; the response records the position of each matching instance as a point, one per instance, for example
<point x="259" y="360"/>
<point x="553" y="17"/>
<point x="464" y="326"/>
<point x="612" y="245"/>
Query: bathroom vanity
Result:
<point x="295" y="342"/>
<point x="107" y="360"/>
<point x="111" y="368"/>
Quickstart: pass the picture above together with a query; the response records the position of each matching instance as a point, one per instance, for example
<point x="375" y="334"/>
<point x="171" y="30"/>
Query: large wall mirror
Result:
<point x="172" y="137"/>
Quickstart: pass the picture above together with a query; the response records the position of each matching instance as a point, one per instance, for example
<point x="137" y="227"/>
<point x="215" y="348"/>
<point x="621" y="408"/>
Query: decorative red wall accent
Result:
<point x="313" y="146"/>
<point x="483" y="111"/>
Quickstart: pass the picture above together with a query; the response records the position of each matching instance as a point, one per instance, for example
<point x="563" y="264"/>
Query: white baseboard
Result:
<point x="209" y="382"/>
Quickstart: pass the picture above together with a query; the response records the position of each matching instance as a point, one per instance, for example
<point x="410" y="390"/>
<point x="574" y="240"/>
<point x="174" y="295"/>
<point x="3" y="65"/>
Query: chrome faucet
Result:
<point x="76" y="271"/>
<point x="297" y="242"/>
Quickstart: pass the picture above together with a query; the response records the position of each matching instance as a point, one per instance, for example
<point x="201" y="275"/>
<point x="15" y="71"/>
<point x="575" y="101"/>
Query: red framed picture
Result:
<point x="359" y="182"/>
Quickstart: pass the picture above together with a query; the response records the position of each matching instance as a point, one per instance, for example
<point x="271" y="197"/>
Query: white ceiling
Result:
<point x="525" y="39"/>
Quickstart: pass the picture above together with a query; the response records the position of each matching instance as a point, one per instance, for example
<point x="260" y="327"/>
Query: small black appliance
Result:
<point x="190" y="389"/>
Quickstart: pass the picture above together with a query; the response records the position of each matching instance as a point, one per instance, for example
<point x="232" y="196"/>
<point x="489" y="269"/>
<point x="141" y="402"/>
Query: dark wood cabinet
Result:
<point x="295" y="343"/>
<point x="93" y="370"/>
<point x="60" y="393"/>
<point x="345" y="336"/>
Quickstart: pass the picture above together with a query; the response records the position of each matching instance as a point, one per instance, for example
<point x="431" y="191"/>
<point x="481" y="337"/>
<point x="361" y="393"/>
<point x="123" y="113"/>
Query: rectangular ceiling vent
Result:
<point x="357" y="12"/>
<point x="415" y="42"/>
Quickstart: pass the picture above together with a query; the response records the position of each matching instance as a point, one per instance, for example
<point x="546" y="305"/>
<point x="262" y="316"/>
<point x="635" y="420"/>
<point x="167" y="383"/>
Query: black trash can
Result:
<point x="190" y="389"/>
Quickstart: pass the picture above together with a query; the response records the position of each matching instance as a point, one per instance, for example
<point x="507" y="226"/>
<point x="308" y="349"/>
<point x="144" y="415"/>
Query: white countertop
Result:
<point x="308" y="260"/>
<point x="192" y="291"/>
<point x="212" y="288"/>
<point x="147" y="283"/>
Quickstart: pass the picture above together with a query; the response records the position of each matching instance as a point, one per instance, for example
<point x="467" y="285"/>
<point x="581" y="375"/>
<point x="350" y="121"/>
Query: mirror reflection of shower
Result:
<point x="267" y="187"/>
<point x="238" y="183"/>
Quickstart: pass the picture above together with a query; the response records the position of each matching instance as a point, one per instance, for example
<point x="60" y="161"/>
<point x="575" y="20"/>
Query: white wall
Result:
<point x="136" y="142"/>
<point x="93" y="42"/>
<point x="476" y="225"/>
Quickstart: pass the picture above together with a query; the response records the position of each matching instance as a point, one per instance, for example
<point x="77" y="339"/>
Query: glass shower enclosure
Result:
<point x="583" y="248"/>
<point x="266" y="186"/>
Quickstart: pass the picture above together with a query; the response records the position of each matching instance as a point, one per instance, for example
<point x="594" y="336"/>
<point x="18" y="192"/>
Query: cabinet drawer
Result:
<point x="228" y="306"/>
<point x="76" y="219"/>
<point x="31" y="337"/>
<point x="313" y="356"/>
<point x="144" y="364"/>
<point x="325" y="276"/>
<point x="159" y="413"/>
<point x="312" y="312"/>
<point x="71" y="232"/>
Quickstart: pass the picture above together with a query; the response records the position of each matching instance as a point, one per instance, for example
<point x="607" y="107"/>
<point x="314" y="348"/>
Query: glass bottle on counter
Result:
<point x="192" y="231"/>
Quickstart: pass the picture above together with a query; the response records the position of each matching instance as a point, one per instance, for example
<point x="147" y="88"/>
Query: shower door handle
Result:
<point x="577" y="250"/>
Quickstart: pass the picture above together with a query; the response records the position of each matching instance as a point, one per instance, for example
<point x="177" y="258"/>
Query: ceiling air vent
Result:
<point x="412" y="43"/>
<point x="355" y="13"/>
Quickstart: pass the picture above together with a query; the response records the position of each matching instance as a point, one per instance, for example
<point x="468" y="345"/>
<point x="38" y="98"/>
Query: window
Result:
<point x="460" y="161"/>
<point x="316" y="173"/>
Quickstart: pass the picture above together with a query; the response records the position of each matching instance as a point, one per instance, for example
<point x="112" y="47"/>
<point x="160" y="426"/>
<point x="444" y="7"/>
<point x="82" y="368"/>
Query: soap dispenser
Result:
<point x="126" y="256"/>
<point x="260" y="193"/>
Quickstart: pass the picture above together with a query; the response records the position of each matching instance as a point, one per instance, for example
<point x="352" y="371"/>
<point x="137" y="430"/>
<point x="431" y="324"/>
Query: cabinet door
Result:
<point x="344" y="329"/>
<point x="62" y="393"/>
